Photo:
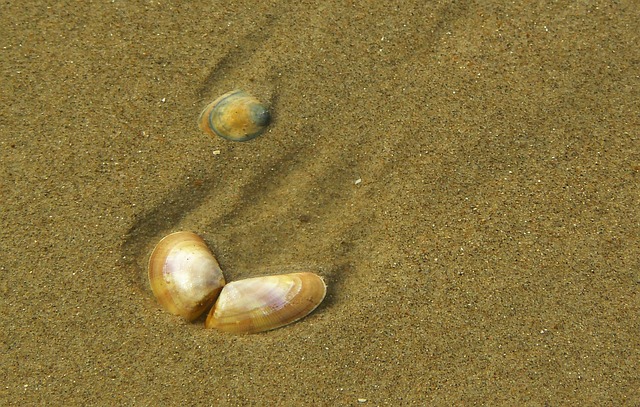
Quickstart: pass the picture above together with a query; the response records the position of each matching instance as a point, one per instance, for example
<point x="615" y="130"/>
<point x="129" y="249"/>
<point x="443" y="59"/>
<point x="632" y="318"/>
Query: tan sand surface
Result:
<point x="464" y="176"/>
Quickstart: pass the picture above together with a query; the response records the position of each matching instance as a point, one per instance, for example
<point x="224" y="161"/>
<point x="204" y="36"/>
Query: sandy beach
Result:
<point x="464" y="176"/>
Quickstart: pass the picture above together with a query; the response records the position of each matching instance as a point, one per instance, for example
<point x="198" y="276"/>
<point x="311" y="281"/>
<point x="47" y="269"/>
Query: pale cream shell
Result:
<point x="184" y="275"/>
<point x="263" y="303"/>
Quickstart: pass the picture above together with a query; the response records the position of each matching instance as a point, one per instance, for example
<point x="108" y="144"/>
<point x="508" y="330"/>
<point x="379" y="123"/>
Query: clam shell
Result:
<point x="236" y="116"/>
<point x="263" y="303"/>
<point x="184" y="275"/>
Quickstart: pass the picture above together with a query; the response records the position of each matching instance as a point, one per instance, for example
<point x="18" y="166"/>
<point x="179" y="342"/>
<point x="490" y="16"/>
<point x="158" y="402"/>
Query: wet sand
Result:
<point x="463" y="176"/>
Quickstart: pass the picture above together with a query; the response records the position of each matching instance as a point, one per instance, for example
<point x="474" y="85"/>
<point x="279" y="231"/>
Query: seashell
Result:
<point x="185" y="276"/>
<point x="236" y="116"/>
<point x="263" y="303"/>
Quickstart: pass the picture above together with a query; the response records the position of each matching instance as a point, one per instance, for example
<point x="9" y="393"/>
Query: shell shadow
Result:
<point x="183" y="199"/>
<point x="146" y="230"/>
<point x="247" y="47"/>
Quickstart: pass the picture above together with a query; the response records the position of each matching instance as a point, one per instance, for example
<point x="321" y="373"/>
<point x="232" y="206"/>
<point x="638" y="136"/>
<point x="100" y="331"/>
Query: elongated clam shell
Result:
<point x="184" y="275"/>
<point x="236" y="116"/>
<point x="263" y="303"/>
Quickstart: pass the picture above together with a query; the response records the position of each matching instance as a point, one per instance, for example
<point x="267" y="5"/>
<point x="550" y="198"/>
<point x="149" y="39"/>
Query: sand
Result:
<point x="463" y="175"/>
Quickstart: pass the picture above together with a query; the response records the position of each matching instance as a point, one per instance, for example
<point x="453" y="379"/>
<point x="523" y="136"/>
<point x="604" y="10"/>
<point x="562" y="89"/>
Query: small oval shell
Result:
<point x="236" y="116"/>
<point x="264" y="303"/>
<point x="185" y="276"/>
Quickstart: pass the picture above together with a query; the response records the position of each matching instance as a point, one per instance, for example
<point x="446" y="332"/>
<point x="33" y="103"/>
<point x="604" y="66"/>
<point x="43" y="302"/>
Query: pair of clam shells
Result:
<point x="235" y="116"/>
<point x="186" y="279"/>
